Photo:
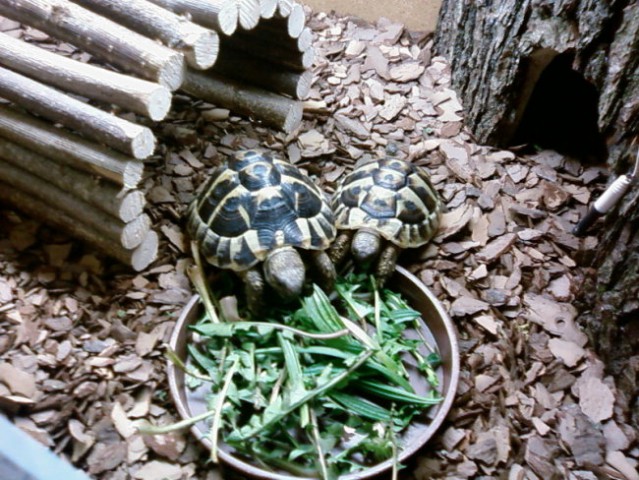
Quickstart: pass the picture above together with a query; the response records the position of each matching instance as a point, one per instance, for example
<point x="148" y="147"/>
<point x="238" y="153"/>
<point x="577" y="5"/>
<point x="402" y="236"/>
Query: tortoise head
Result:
<point x="284" y="271"/>
<point x="365" y="246"/>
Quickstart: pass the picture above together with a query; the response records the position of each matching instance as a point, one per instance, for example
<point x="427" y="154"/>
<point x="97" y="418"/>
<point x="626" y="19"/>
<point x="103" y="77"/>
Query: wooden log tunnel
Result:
<point x="83" y="175"/>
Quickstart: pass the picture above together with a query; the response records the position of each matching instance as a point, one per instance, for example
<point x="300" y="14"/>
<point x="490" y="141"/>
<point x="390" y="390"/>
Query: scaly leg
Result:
<point x="340" y="247"/>
<point x="386" y="264"/>
<point x="323" y="270"/>
<point x="253" y="289"/>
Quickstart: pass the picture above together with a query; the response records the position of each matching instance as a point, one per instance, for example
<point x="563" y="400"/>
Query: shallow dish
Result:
<point x="438" y="329"/>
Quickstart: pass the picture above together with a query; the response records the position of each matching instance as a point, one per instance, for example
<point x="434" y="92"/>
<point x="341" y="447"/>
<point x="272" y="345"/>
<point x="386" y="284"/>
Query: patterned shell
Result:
<point x="392" y="197"/>
<point x="255" y="204"/>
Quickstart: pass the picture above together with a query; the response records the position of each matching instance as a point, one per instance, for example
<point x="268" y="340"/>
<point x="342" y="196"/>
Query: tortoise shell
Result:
<point x="254" y="204"/>
<point x="392" y="197"/>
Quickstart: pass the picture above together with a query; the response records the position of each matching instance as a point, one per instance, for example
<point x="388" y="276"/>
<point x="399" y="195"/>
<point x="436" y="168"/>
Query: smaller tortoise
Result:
<point x="254" y="216"/>
<point x="381" y="208"/>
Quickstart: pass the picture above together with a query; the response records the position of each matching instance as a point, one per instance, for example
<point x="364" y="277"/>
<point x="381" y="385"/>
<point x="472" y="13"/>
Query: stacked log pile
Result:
<point x="67" y="159"/>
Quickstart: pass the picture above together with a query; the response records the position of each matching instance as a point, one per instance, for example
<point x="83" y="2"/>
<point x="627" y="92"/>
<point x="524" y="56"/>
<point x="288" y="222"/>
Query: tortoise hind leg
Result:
<point x="253" y="289"/>
<point x="340" y="247"/>
<point x="323" y="270"/>
<point x="386" y="264"/>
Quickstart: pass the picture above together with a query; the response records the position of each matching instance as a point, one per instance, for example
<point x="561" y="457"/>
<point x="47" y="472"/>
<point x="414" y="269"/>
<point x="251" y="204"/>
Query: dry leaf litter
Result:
<point x="81" y="338"/>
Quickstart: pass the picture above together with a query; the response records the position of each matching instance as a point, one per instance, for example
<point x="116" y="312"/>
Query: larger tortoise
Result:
<point x="380" y="208"/>
<point x="255" y="215"/>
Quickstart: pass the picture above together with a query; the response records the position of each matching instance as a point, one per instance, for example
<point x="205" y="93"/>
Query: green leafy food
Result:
<point x="318" y="390"/>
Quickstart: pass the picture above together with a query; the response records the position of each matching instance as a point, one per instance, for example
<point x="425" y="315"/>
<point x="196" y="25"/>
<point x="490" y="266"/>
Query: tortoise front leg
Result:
<point x="253" y="289"/>
<point x="340" y="247"/>
<point x="323" y="270"/>
<point x="386" y="264"/>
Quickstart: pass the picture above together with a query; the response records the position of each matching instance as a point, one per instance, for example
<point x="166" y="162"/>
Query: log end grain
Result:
<point x="296" y="21"/>
<point x="304" y="84"/>
<point x="284" y="7"/>
<point x="142" y="143"/>
<point x="305" y="39"/>
<point x="203" y="50"/>
<point x="131" y="205"/>
<point x="145" y="253"/>
<point x="268" y="8"/>
<point x="134" y="232"/>
<point x="158" y="103"/>
<point x="132" y="172"/>
<point x="294" y="117"/>
<point x="308" y="58"/>
<point x="172" y="73"/>
<point x="249" y="14"/>
<point x="228" y="18"/>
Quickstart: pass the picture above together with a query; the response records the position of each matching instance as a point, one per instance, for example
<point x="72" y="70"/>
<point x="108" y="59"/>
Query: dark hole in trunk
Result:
<point x="561" y="113"/>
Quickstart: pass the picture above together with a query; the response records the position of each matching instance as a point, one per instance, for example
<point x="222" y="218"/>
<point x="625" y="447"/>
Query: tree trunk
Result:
<point x="563" y="74"/>
<point x="500" y="49"/>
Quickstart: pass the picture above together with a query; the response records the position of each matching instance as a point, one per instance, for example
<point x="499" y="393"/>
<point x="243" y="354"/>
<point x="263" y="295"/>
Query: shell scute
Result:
<point x="391" y="196"/>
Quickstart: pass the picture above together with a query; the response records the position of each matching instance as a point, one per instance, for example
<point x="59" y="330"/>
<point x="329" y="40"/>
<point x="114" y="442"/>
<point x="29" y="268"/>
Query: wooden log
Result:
<point x="90" y="216"/>
<point x="268" y="8"/>
<point x="138" y="258"/>
<point x="220" y="15"/>
<point x="276" y="54"/>
<point x="140" y="96"/>
<point x="127" y="205"/>
<point x="100" y="37"/>
<point x="198" y="44"/>
<point x="101" y="126"/>
<point x="272" y="109"/>
<point x="245" y="67"/>
<point x="69" y="149"/>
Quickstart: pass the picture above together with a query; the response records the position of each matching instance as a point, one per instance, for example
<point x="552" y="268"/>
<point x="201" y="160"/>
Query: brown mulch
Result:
<point x="81" y="337"/>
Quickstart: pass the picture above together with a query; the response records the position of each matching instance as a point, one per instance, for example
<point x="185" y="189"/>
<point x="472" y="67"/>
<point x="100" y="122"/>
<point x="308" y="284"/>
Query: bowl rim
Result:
<point x="417" y="443"/>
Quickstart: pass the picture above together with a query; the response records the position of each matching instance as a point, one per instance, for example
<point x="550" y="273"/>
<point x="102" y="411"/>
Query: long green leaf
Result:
<point x="287" y="409"/>
<point x="396" y="394"/>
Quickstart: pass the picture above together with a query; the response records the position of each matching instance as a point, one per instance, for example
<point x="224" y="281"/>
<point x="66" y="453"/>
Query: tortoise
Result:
<point x="258" y="216"/>
<point x="381" y="208"/>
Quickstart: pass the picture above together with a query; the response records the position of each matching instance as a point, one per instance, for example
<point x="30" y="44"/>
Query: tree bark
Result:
<point x="199" y="45"/>
<point x="140" y="96"/>
<point x="100" y="37"/>
<point x="69" y="149"/>
<point x="609" y="299"/>
<point x="115" y="132"/>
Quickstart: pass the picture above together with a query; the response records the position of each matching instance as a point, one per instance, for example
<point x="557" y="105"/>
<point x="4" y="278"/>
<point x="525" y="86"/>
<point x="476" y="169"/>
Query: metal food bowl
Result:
<point x="438" y="329"/>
